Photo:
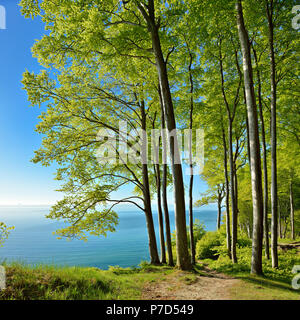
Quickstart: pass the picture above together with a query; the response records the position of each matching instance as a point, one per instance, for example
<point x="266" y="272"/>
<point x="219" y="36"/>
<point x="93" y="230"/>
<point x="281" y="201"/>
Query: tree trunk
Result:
<point x="274" y="193"/>
<point x="257" y="197"/>
<point x="164" y="189"/>
<point x="285" y="227"/>
<point x="279" y="221"/>
<point x="147" y="201"/>
<point x="191" y="218"/>
<point x="219" y="208"/>
<point x="292" y="211"/>
<point x="236" y="192"/>
<point x="228" y="233"/>
<point x="249" y="231"/>
<point x="265" y="167"/>
<point x="183" y="259"/>
<point x="248" y="140"/>
<point x="231" y="165"/>
<point x="232" y="194"/>
<point x="160" y="215"/>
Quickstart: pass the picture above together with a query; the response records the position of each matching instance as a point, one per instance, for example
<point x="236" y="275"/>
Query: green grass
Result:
<point x="44" y="282"/>
<point x="60" y="283"/>
<point x="274" y="284"/>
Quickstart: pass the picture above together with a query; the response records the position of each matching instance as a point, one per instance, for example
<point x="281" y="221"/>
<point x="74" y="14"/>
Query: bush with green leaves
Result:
<point x="199" y="232"/>
<point x="209" y="245"/>
<point x="4" y="232"/>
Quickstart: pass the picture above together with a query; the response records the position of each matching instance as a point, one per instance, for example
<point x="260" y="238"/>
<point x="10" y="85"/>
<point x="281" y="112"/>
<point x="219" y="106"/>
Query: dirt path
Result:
<point x="209" y="285"/>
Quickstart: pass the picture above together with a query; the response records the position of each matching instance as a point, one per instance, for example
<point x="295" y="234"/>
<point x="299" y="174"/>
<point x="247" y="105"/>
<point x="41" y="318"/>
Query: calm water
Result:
<point x="32" y="240"/>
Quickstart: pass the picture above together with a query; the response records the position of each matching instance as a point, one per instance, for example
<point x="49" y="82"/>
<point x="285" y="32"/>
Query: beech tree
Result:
<point x="256" y="264"/>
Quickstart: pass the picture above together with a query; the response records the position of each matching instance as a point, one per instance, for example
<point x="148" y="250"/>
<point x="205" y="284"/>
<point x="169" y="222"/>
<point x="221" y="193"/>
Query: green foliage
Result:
<point x="287" y="260"/>
<point x="4" y="232"/>
<point x="198" y="230"/>
<point x="207" y="247"/>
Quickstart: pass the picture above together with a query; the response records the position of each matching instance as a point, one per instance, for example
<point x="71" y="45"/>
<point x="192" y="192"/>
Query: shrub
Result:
<point x="244" y="242"/>
<point x="207" y="247"/>
<point x="4" y="232"/>
<point x="199" y="232"/>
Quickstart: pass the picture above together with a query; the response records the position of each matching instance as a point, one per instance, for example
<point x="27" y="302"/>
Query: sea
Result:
<point x="32" y="241"/>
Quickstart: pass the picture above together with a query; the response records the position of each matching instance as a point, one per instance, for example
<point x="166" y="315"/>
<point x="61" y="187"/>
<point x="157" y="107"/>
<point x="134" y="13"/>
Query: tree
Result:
<point x="256" y="262"/>
<point x="76" y="112"/>
<point x="153" y="24"/>
<point x="264" y="150"/>
<point x="274" y="197"/>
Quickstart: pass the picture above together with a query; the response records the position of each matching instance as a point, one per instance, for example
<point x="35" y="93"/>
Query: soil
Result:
<point x="210" y="285"/>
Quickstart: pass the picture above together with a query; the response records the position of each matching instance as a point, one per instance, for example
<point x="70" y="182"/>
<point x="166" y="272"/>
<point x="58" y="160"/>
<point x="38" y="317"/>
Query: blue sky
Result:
<point x="22" y="182"/>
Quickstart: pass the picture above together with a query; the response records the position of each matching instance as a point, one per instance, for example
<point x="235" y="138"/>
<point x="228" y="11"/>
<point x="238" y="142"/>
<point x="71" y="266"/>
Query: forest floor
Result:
<point x="208" y="285"/>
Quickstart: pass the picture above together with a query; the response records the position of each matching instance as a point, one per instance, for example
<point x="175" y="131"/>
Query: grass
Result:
<point x="274" y="284"/>
<point x="76" y="283"/>
<point x="42" y="282"/>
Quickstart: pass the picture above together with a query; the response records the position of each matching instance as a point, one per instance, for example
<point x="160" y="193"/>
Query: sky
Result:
<point x="21" y="181"/>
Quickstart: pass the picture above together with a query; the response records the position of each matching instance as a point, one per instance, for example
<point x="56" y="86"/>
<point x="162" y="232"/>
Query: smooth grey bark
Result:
<point x="183" y="259"/>
<point x="219" y="215"/>
<point x="220" y="192"/>
<point x="274" y="191"/>
<point x="157" y="148"/>
<point x="160" y="215"/>
<point x="232" y="196"/>
<point x="191" y="218"/>
<point x="257" y="196"/>
<point x="154" y="258"/>
<point x="279" y="221"/>
<point x="230" y="116"/>
<point x="164" y="188"/>
<point x="265" y="167"/>
<point x="248" y="140"/>
<point x="292" y="211"/>
<point x="228" y="232"/>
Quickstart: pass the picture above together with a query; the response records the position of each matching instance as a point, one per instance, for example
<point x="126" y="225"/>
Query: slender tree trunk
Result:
<point x="230" y="150"/>
<point x="257" y="196"/>
<point x="147" y="201"/>
<point x="236" y="191"/>
<point x="249" y="231"/>
<point x="232" y="195"/>
<point x="248" y="140"/>
<point x="219" y="208"/>
<point x="228" y="233"/>
<point x="160" y="215"/>
<point x="279" y="221"/>
<point x="183" y="259"/>
<point x="191" y="218"/>
<point x="274" y="192"/>
<point x="292" y="211"/>
<point x="158" y="193"/>
<point x="167" y="217"/>
<point x="164" y="188"/>
<point x="285" y="227"/>
<point x="265" y="167"/>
